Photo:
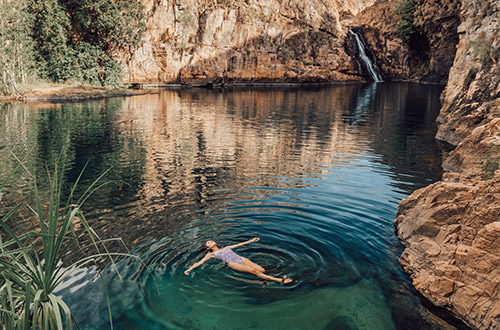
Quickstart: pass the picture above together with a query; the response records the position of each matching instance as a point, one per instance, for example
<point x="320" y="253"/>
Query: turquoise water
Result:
<point x="316" y="173"/>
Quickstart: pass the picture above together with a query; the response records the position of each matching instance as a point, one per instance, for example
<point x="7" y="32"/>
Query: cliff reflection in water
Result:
<point x="180" y="155"/>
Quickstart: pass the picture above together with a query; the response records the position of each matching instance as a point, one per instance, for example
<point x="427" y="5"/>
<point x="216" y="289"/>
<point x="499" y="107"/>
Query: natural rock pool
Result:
<point x="316" y="173"/>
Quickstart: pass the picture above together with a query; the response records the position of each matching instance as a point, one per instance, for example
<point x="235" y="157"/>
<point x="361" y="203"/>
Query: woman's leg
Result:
<point x="253" y="265"/>
<point x="247" y="269"/>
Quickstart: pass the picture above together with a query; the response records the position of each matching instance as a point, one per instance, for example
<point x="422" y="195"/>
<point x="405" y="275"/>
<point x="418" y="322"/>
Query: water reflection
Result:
<point x="317" y="173"/>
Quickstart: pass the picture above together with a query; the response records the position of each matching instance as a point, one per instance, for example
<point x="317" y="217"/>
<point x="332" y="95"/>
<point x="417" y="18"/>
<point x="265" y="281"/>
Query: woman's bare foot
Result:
<point x="285" y="279"/>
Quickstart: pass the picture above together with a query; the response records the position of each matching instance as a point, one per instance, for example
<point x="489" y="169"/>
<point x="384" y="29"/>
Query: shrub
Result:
<point x="88" y="58"/>
<point x="185" y="17"/>
<point x="481" y="47"/>
<point x="491" y="163"/>
<point x="113" y="73"/>
<point x="96" y="67"/>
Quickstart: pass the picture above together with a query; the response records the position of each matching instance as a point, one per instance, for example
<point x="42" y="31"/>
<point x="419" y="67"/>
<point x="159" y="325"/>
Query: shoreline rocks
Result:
<point x="451" y="229"/>
<point x="64" y="93"/>
<point x="451" y="234"/>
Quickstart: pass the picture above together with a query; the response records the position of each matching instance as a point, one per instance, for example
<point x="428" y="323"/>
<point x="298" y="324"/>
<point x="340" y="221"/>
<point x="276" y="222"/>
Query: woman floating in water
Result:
<point x="235" y="261"/>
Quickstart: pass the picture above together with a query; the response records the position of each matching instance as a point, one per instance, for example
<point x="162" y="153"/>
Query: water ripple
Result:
<point x="316" y="174"/>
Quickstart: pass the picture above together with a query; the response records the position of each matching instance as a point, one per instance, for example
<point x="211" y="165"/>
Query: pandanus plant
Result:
<point x="32" y="264"/>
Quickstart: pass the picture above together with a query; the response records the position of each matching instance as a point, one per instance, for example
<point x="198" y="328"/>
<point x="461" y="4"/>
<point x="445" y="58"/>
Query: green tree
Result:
<point x="406" y="27"/>
<point x="67" y="39"/>
<point x="16" y="47"/>
<point x="115" y="25"/>
<point x="105" y="27"/>
<point x="50" y="34"/>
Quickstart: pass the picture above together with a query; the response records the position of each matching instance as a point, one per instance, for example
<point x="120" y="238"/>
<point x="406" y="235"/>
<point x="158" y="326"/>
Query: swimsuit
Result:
<point x="227" y="255"/>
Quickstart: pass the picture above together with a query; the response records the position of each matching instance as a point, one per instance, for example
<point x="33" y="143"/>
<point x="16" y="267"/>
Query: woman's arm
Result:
<point x="256" y="239"/>
<point x="199" y="263"/>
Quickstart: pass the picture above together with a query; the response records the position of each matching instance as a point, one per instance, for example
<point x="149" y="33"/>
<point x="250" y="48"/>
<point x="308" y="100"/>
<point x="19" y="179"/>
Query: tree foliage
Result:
<point x="50" y="34"/>
<point x="406" y="27"/>
<point x="16" y="46"/>
<point x="112" y="24"/>
<point x="95" y="66"/>
<point x="69" y="40"/>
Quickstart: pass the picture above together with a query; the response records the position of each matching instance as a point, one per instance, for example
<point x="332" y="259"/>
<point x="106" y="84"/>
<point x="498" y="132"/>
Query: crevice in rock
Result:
<point x="443" y="313"/>
<point x="419" y="57"/>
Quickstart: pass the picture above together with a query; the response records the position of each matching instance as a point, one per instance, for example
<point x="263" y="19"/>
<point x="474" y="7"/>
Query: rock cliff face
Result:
<point x="451" y="229"/>
<point x="381" y="35"/>
<point x="433" y="46"/>
<point x="218" y="41"/>
<point x="471" y="97"/>
<point x="428" y="55"/>
<point x="204" y="42"/>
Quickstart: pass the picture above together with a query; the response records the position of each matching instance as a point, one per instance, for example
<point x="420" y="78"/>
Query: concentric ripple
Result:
<point x="331" y="237"/>
<point x="316" y="174"/>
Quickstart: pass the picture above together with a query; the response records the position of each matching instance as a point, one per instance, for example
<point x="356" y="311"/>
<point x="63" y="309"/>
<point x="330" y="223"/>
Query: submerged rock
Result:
<point x="342" y="322"/>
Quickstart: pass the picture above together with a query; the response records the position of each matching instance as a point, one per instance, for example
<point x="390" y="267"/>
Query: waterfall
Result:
<point x="367" y="62"/>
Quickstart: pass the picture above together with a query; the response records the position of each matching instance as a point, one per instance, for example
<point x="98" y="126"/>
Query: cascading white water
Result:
<point x="370" y="66"/>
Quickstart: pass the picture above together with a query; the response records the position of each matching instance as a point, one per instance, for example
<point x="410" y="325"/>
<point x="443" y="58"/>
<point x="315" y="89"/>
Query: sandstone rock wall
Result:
<point x="451" y="233"/>
<point x="429" y="54"/>
<point x="220" y="41"/>
<point x="473" y="90"/>
<point x="436" y="23"/>
<point x="451" y="229"/>
<point x="381" y="35"/>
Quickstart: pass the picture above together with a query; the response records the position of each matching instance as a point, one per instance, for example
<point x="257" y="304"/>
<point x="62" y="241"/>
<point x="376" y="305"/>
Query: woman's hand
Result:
<point x="186" y="272"/>
<point x="256" y="239"/>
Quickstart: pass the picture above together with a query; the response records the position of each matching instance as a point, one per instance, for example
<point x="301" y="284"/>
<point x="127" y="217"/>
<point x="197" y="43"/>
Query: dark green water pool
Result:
<point x="316" y="173"/>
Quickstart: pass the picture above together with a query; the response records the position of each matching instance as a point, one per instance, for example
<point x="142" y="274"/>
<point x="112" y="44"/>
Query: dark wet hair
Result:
<point x="204" y="248"/>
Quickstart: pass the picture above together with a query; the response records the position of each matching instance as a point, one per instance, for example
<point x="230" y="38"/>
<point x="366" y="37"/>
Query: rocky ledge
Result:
<point x="57" y="93"/>
<point x="451" y="229"/>
<point x="451" y="233"/>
